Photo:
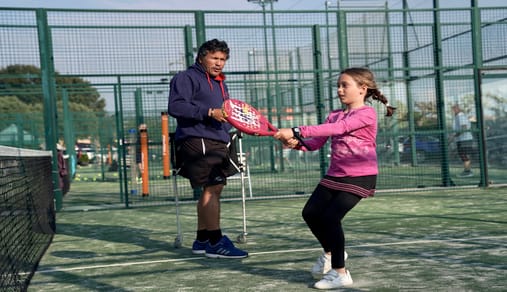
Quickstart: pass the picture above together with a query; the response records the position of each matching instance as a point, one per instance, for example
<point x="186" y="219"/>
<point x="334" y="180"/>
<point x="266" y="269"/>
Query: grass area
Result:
<point x="439" y="240"/>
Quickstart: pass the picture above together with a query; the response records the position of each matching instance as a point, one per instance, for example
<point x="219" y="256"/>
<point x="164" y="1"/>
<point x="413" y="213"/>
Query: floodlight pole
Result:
<point x="262" y="3"/>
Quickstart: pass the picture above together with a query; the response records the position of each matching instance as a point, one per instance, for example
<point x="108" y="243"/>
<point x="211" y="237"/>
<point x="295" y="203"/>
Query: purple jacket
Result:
<point x="192" y="93"/>
<point x="353" y="141"/>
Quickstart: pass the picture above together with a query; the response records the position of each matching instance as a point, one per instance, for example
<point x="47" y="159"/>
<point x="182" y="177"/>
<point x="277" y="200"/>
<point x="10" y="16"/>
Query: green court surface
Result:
<point x="438" y="240"/>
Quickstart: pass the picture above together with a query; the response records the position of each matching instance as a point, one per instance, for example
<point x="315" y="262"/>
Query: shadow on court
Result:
<point x="115" y="235"/>
<point x="428" y="241"/>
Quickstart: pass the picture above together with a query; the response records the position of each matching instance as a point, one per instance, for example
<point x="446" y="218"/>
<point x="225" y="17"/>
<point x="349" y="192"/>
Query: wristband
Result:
<point x="296" y="132"/>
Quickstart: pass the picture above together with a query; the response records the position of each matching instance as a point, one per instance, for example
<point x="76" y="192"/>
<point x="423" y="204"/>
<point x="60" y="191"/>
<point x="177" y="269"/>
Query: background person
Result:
<point x="352" y="173"/>
<point x="202" y="138"/>
<point x="464" y="140"/>
<point x="139" y="156"/>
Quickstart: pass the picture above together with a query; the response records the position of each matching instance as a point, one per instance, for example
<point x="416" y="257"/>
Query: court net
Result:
<point x="27" y="215"/>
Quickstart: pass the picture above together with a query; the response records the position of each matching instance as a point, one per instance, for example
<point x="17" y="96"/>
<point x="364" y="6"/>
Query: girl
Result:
<point x="352" y="173"/>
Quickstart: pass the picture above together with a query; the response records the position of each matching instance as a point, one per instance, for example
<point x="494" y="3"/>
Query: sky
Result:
<point x="228" y="4"/>
<point x="231" y="5"/>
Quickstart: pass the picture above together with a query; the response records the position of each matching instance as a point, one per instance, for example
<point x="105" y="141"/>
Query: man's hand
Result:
<point x="217" y="114"/>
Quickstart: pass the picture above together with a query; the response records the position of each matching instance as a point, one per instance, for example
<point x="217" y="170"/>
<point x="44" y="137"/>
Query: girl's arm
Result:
<point x="333" y="126"/>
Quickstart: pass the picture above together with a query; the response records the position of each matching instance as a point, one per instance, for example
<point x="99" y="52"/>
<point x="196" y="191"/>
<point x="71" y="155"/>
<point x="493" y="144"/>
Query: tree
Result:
<point x="23" y="103"/>
<point x="24" y="82"/>
<point x="11" y="104"/>
<point x="81" y="92"/>
<point x="426" y="115"/>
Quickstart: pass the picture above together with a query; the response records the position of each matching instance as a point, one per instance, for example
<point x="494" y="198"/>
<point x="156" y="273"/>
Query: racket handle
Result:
<point x="297" y="134"/>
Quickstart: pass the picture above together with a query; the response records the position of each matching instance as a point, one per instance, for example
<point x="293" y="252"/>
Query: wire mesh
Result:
<point x="27" y="214"/>
<point x="286" y="64"/>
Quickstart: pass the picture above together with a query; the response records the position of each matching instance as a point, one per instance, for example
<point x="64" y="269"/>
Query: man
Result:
<point x="464" y="139"/>
<point x="202" y="138"/>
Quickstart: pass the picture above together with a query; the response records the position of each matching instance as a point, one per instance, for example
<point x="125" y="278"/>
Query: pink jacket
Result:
<point x="353" y="141"/>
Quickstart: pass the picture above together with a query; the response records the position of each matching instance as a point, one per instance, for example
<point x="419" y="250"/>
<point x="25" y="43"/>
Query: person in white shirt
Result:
<point x="464" y="139"/>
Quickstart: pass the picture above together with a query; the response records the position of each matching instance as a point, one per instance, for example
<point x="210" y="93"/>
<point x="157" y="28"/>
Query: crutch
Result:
<point x="169" y="167"/>
<point x="178" y="241"/>
<point x="241" y="168"/>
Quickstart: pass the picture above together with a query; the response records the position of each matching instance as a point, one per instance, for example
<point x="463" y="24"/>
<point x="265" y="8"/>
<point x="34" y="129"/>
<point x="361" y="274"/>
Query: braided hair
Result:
<point x="364" y="76"/>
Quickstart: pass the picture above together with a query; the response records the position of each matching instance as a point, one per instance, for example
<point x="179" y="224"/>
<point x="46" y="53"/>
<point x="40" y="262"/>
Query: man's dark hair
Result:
<point x="212" y="46"/>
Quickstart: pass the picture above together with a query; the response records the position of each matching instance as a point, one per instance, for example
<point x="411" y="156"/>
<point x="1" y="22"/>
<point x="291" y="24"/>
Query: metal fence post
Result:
<point x="49" y="96"/>
<point x="318" y="89"/>
<point x="479" y="112"/>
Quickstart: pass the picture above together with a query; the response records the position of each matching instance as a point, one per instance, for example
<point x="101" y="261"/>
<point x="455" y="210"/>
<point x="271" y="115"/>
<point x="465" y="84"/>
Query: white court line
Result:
<point x="117" y="265"/>
<point x="268" y="252"/>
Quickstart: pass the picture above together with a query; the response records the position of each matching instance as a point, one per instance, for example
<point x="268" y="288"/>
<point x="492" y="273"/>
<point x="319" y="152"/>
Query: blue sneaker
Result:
<point x="224" y="249"/>
<point x="199" y="247"/>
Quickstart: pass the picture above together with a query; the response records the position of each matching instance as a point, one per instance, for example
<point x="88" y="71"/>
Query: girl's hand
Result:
<point x="284" y="134"/>
<point x="291" y="143"/>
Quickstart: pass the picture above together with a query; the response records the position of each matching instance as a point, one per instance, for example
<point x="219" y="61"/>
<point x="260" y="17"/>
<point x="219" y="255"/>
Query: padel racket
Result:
<point x="249" y="120"/>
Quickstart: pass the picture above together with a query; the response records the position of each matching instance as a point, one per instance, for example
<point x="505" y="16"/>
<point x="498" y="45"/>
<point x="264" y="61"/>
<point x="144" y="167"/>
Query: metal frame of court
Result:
<point x="282" y="62"/>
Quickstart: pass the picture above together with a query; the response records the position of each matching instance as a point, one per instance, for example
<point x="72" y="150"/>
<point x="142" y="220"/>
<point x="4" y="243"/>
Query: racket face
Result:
<point x="247" y="119"/>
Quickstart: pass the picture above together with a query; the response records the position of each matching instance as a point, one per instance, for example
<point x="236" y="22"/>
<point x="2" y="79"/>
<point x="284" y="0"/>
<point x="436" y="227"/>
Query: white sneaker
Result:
<point x="466" y="173"/>
<point x="334" y="280"/>
<point x="323" y="265"/>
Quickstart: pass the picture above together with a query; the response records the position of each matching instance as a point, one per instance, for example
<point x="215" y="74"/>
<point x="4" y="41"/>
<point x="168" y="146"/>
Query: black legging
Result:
<point x="323" y="213"/>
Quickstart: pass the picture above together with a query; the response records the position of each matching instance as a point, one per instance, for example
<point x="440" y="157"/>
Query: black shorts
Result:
<point x="465" y="148"/>
<point x="206" y="162"/>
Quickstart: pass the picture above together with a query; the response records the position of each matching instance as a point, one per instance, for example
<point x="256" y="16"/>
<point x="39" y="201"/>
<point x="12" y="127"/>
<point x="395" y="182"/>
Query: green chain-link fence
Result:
<point x="58" y="67"/>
